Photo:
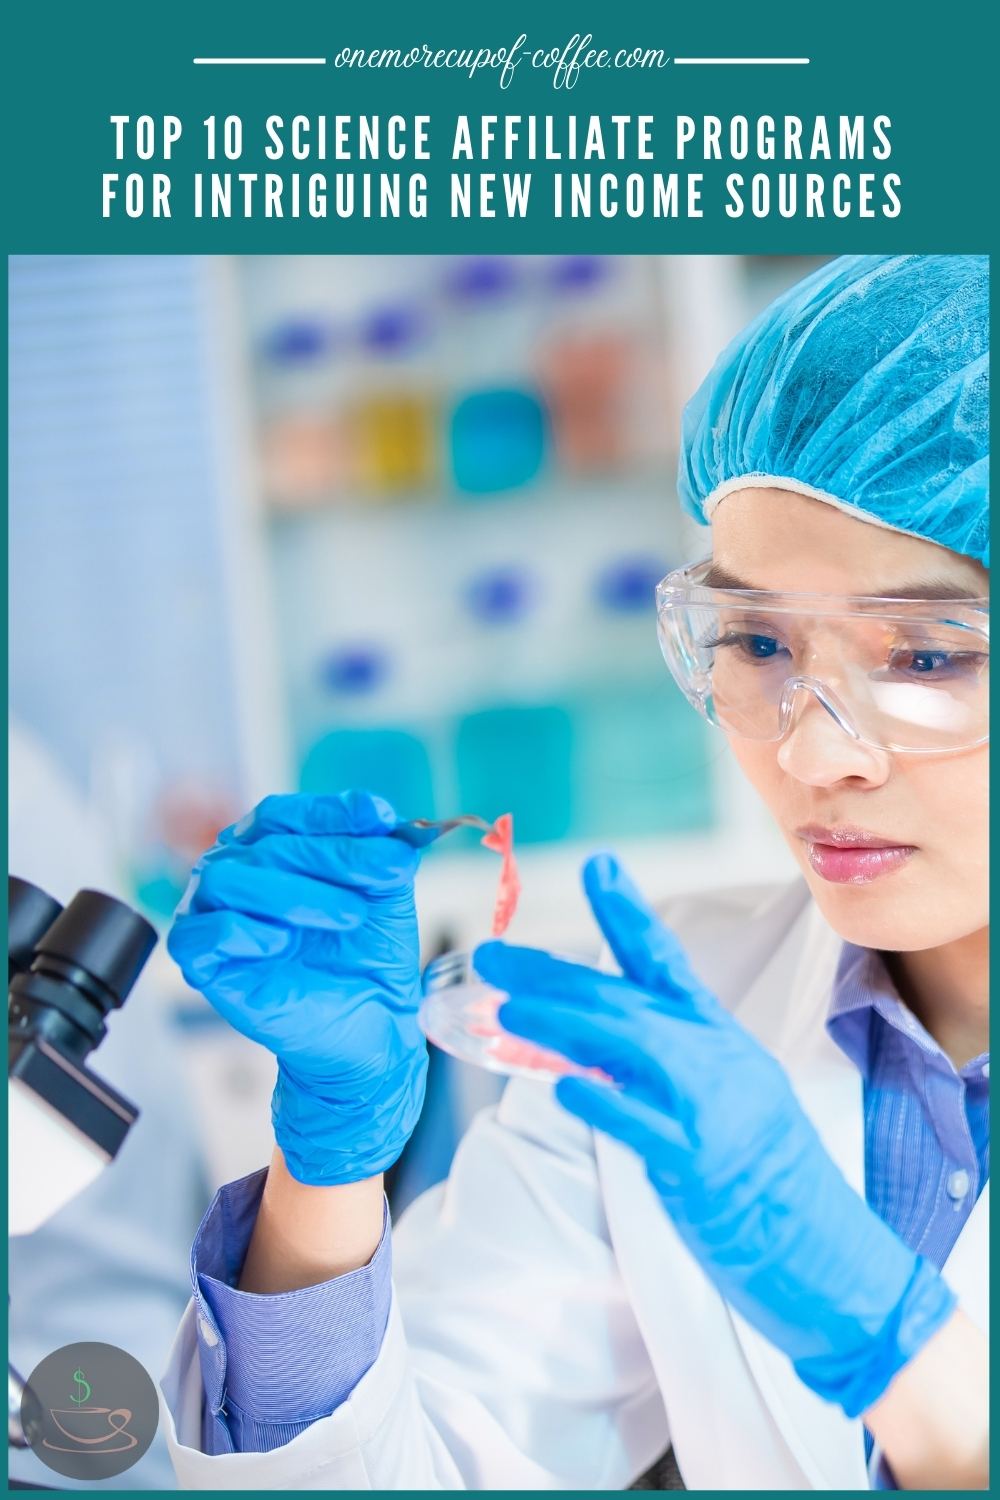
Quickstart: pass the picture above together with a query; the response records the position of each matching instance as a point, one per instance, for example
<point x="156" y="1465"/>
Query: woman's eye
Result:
<point x="928" y="662"/>
<point x="750" y="644"/>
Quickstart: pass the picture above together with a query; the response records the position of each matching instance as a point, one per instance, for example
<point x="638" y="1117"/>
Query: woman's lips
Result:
<point x="855" y="865"/>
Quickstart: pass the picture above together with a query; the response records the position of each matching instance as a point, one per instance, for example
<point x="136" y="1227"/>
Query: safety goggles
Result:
<point x="899" y="674"/>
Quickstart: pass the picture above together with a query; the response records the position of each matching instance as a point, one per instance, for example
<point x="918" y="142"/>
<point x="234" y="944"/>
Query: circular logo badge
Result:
<point x="89" y="1411"/>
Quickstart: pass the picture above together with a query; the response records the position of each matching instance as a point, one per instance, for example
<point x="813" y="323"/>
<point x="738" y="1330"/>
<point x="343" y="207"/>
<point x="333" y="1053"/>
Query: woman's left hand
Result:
<point x="735" y="1160"/>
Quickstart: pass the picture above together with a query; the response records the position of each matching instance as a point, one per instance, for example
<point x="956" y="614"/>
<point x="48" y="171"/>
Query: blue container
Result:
<point x="498" y="440"/>
<point x="392" y="762"/>
<point x="518" y="759"/>
<point x="643" y="759"/>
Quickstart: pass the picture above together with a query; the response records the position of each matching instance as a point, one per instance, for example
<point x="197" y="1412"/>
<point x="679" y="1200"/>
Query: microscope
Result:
<point x="67" y="969"/>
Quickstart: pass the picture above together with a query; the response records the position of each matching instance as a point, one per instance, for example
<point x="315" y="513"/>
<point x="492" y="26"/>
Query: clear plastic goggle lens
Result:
<point x="901" y="680"/>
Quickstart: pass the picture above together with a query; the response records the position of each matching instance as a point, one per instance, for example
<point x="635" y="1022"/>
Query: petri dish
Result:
<point x="458" y="1014"/>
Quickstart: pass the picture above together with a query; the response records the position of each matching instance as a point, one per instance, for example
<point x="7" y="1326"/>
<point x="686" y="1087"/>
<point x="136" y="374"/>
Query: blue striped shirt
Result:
<point x="927" y="1124"/>
<point x="272" y="1365"/>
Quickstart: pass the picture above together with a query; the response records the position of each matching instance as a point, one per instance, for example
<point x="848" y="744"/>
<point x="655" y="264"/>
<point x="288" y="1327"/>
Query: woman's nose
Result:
<point x="819" y="750"/>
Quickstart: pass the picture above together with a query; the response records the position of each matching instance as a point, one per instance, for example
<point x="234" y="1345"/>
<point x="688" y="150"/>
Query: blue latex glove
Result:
<point x="738" y="1165"/>
<point x="299" y="926"/>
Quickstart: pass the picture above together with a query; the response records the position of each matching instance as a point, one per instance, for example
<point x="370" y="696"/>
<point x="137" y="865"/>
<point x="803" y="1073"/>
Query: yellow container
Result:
<point x="393" y="441"/>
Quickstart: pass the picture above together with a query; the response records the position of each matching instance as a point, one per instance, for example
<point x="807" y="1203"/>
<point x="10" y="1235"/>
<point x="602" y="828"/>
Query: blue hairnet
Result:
<point x="866" y="385"/>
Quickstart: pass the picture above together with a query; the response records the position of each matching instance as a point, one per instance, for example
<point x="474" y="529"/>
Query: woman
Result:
<point x="687" y="1260"/>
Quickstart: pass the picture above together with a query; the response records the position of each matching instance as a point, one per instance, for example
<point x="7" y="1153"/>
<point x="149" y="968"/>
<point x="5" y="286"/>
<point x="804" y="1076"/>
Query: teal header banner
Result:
<point x="318" y="128"/>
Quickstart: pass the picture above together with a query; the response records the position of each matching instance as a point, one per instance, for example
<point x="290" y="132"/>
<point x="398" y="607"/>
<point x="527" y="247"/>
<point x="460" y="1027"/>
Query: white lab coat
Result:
<point x="549" y="1330"/>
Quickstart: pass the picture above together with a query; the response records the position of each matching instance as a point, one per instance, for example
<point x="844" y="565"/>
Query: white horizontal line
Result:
<point x="257" y="61"/>
<point x="728" y="61"/>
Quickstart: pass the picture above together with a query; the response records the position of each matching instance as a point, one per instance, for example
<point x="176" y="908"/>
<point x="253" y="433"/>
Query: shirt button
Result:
<point x="957" y="1185"/>
<point x="211" y="1338"/>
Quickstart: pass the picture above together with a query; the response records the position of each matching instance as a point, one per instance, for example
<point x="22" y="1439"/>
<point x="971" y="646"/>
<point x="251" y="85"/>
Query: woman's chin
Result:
<point x="876" y="914"/>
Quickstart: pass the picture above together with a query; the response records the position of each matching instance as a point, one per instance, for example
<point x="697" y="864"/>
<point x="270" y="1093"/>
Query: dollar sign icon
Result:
<point x="81" y="1381"/>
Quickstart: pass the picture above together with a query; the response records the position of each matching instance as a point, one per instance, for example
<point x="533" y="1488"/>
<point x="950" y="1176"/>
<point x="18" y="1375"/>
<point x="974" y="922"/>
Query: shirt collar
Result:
<point x="863" y="989"/>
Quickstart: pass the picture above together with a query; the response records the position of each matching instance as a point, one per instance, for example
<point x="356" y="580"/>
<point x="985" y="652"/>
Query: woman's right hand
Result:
<point x="299" y="926"/>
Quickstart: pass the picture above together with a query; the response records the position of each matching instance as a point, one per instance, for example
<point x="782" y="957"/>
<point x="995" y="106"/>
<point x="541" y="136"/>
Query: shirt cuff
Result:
<point x="274" y="1363"/>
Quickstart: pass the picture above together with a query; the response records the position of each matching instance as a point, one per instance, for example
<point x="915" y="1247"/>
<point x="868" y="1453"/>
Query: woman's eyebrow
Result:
<point x="718" y="577"/>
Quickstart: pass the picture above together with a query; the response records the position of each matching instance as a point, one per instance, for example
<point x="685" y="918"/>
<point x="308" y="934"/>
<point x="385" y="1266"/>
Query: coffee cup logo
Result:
<point x="89" y="1411"/>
